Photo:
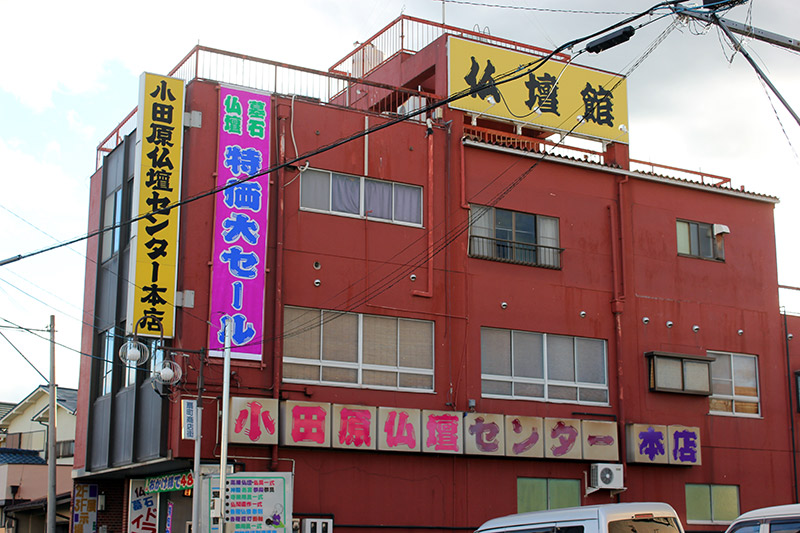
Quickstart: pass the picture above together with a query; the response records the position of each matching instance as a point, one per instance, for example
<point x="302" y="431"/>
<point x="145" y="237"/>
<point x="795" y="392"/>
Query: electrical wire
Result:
<point x="426" y="256"/>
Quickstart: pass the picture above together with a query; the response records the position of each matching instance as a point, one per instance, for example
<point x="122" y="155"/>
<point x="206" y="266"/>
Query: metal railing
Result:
<point x="544" y="146"/>
<point x="329" y="88"/>
<point x="515" y="252"/>
<point x="410" y="35"/>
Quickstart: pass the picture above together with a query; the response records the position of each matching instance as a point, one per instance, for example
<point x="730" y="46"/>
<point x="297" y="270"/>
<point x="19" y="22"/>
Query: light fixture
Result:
<point x="317" y="283"/>
<point x="583" y="314"/>
<point x="135" y="352"/>
<point x="623" y="128"/>
<point x="740" y="332"/>
<point x="504" y="305"/>
<point x="645" y="320"/>
<point x="413" y="277"/>
<point x="491" y="101"/>
<point x="695" y="328"/>
<point x="669" y="323"/>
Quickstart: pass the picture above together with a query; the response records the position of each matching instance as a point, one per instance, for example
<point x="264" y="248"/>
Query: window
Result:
<point x="112" y="216"/>
<point x="697" y="239"/>
<point x="540" y="366"/>
<point x="670" y="372"/>
<point x="712" y="504"/>
<point x="514" y="237"/>
<point x="342" y="194"/>
<point x="540" y="494"/>
<point x="734" y="384"/>
<point x="108" y="339"/>
<point x="336" y="348"/>
<point x="788" y="525"/>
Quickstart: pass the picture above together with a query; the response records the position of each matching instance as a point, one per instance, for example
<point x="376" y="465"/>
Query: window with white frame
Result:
<point x="514" y="237"/>
<point x="108" y="349"/>
<point x="336" y="348"/>
<point x="699" y="239"/>
<point x="734" y="384"/>
<point x="342" y="194"/>
<point x="540" y="366"/>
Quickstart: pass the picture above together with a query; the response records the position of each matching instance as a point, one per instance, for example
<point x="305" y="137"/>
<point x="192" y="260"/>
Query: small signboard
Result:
<point x="256" y="502"/>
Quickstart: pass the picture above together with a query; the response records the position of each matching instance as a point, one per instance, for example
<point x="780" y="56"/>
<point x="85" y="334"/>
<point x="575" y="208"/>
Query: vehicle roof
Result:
<point x="769" y="512"/>
<point x="611" y="511"/>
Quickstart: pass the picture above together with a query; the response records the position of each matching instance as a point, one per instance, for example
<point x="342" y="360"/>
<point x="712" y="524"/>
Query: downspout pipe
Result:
<point x="277" y="344"/>
<point x="428" y="293"/>
<point x="791" y="408"/>
<point x="618" y="303"/>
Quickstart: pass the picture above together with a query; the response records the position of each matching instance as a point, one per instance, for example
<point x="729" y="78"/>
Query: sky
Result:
<point x="69" y="74"/>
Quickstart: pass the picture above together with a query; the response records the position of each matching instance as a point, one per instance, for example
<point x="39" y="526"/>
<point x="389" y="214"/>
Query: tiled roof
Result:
<point x="14" y="456"/>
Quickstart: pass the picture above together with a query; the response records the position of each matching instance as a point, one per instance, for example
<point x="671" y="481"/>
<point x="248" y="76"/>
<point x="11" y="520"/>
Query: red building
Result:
<point x="461" y="313"/>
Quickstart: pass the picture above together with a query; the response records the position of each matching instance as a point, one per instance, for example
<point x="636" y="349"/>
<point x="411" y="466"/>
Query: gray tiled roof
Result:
<point x="15" y="456"/>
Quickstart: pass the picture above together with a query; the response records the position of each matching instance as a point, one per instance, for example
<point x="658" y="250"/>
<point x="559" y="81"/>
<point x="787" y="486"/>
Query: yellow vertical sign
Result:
<point x="154" y="240"/>
<point x="555" y="96"/>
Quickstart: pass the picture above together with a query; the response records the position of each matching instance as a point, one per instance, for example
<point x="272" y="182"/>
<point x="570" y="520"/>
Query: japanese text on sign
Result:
<point x="240" y="223"/>
<point x="154" y="257"/>
<point x="553" y="96"/>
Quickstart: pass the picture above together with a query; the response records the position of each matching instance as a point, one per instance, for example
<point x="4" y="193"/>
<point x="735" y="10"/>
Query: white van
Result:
<point x="778" y="519"/>
<point x="609" y="518"/>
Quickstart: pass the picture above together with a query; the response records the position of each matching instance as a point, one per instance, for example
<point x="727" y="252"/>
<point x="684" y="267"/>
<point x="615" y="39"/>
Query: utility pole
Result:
<point x="728" y="27"/>
<point x="51" y="434"/>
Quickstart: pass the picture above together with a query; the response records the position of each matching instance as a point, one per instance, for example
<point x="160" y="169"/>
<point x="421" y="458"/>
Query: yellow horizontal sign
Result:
<point x="555" y="96"/>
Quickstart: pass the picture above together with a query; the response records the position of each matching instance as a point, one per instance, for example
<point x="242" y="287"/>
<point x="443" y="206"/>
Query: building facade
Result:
<point x="438" y="315"/>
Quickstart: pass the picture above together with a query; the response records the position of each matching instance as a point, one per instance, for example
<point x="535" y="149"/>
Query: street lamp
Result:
<point x="134" y="351"/>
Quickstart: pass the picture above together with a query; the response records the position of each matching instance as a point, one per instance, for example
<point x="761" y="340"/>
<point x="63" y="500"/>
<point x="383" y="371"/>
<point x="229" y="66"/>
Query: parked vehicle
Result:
<point x="610" y="518"/>
<point x="778" y="519"/>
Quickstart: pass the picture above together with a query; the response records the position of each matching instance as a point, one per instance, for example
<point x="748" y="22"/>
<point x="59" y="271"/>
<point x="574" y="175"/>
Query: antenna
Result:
<point x="170" y="373"/>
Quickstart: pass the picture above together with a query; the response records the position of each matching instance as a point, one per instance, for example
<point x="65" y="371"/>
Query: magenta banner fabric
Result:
<point x="240" y="224"/>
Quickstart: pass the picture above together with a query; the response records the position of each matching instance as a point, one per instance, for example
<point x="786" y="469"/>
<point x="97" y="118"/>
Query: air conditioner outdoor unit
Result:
<point x="317" y="525"/>
<point x="607" y="476"/>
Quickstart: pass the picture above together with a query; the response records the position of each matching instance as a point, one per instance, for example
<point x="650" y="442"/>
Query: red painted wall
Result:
<point x="600" y="213"/>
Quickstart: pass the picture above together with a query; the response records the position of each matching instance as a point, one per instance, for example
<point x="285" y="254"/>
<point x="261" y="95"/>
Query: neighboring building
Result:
<point x="25" y="425"/>
<point x="23" y="460"/>
<point x="453" y="318"/>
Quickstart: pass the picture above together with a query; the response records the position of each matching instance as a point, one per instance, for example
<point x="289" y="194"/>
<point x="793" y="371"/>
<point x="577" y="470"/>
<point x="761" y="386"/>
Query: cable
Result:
<point x="543" y="9"/>
<point x="23" y="356"/>
<point x="503" y="78"/>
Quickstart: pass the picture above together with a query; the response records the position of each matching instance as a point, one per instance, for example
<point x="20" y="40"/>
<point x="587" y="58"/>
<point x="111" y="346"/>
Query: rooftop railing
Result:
<point x="410" y="35"/>
<point x="330" y="88"/>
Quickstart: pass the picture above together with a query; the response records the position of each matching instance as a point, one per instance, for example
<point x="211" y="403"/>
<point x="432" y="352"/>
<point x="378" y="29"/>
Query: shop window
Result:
<point x="514" y="237"/>
<point x="711" y="504"/>
<point x="734" y="383"/>
<point x="342" y="194"/>
<point x="540" y="366"/>
<point x="698" y="239"/>
<point x="336" y="348"/>
<point x="540" y="494"/>
<point x="686" y="374"/>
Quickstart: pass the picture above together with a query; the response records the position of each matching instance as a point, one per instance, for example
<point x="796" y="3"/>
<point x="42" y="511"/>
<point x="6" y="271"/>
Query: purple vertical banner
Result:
<point x="240" y="224"/>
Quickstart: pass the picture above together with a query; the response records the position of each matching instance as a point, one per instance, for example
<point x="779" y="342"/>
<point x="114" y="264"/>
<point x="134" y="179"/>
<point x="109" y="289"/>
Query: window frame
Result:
<point x="362" y="212"/>
<point x="656" y="357"/>
<point x="713" y="520"/>
<point x="733" y="397"/>
<point x="695" y="230"/>
<point x="359" y="366"/>
<point x="516" y="249"/>
<point x="545" y="381"/>
<point x="573" y="483"/>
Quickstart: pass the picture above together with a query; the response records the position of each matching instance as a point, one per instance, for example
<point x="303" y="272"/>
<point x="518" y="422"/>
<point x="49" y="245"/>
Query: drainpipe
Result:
<point x="277" y="344"/>
<point x="464" y="204"/>
<point x="618" y="306"/>
<point x="791" y="409"/>
<point x="429" y="215"/>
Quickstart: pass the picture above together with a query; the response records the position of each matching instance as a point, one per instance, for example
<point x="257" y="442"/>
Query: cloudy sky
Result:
<point x="69" y="73"/>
